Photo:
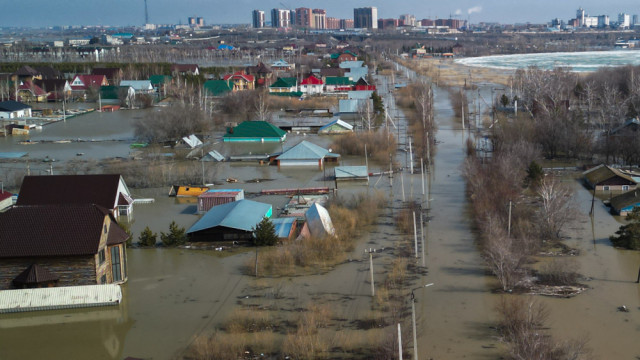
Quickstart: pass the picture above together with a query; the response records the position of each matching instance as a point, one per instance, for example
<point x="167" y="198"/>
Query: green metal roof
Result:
<point x="338" y="80"/>
<point x="285" y="82"/>
<point x="291" y="93"/>
<point x="160" y="79"/>
<point x="217" y="87"/>
<point x="255" y="129"/>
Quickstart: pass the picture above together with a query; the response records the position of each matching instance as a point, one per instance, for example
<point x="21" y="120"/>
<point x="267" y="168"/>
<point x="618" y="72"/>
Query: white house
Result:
<point x="14" y="109"/>
<point x="139" y="86"/>
<point x="312" y="85"/>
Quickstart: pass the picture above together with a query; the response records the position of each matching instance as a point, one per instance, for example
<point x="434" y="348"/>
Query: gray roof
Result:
<point x="350" y="172"/>
<point x="306" y="151"/>
<point x="11" y="105"/>
<point x="241" y="215"/>
<point x="359" y="95"/>
<point x="351" y="64"/>
<point x="138" y="85"/>
<point x="353" y="106"/>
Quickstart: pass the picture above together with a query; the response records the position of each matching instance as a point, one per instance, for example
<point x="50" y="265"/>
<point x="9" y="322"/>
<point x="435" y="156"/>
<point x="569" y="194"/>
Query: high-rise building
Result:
<point x="319" y="18"/>
<point x="200" y="21"/>
<point x="603" y="21"/>
<point x="333" y="23"/>
<point x="258" y="19"/>
<point x="304" y="18"/>
<point x="635" y="22"/>
<point x="191" y="21"/>
<point x="366" y="17"/>
<point x="408" y="19"/>
<point x="346" y="23"/>
<point x="427" y="22"/>
<point x="580" y="15"/>
<point x="624" y="20"/>
<point x="280" y="18"/>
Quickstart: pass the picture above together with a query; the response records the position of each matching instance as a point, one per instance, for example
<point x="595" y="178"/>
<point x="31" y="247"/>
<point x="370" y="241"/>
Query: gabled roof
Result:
<point x="240" y="215"/>
<point x="160" y="79"/>
<point x="286" y="82"/>
<point x="351" y="172"/>
<point x="112" y="92"/>
<point x="602" y="173"/>
<point x="138" y="85"/>
<point x="351" y="64"/>
<point x="11" y="105"/>
<point x="260" y="69"/>
<point x="192" y="141"/>
<point x="51" y="230"/>
<point x="311" y="80"/>
<point x="337" y="122"/>
<point x="338" y="80"/>
<point x="184" y="67"/>
<point x="256" y="129"/>
<point x="319" y="221"/>
<point x="52" y="84"/>
<point x="33" y="88"/>
<point x="239" y="75"/>
<point x="5" y="195"/>
<point x="306" y="151"/>
<point x="35" y="274"/>
<point x="280" y="63"/>
<point x="217" y="87"/>
<point x="49" y="73"/>
<point x="631" y="123"/>
<point x="88" y="81"/>
<point x="27" y="70"/>
<point x="627" y="199"/>
<point x="70" y="189"/>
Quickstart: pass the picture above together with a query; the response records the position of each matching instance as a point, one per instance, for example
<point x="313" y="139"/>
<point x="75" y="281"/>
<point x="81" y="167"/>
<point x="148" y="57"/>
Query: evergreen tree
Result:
<point x="147" y="237"/>
<point x="628" y="236"/>
<point x="177" y="235"/>
<point x="264" y="234"/>
<point x="534" y="174"/>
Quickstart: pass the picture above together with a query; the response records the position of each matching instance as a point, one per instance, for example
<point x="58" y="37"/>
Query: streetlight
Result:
<point x="413" y="320"/>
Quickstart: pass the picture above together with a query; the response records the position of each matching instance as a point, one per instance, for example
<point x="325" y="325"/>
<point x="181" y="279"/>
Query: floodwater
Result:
<point x="173" y="295"/>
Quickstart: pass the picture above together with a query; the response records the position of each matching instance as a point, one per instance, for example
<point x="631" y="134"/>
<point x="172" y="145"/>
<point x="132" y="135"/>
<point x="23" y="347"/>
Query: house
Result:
<point x="241" y="81"/>
<point x="262" y="73"/>
<point x="190" y="142"/>
<point x="355" y="74"/>
<point x="26" y="73"/>
<point x="285" y="227"/>
<point x="141" y="87"/>
<point x="631" y="125"/>
<point x="61" y="245"/>
<point x="306" y="154"/>
<point x="13" y="109"/>
<point x="284" y="85"/>
<point x="344" y="56"/>
<point x="57" y="89"/>
<point x="112" y="94"/>
<point x="281" y="65"/>
<point x="6" y="199"/>
<point x="30" y="92"/>
<point x="343" y="173"/>
<point x="108" y="191"/>
<point x="311" y="85"/>
<point x="363" y="85"/>
<point x="326" y="72"/>
<point x="234" y="221"/>
<point x="335" y="84"/>
<point x="215" y="88"/>
<point x="336" y="127"/>
<point x="216" y="197"/>
<point x="318" y="222"/>
<point x="160" y="82"/>
<point x="185" y="69"/>
<point x="255" y="131"/>
<point x="82" y="83"/>
<point x="113" y="74"/>
<point x="606" y="178"/>
<point x="49" y="73"/>
<point x="623" y="204"/>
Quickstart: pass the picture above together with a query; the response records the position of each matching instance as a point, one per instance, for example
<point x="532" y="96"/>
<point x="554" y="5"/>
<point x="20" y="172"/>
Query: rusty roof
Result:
<point x="51" y="230"/>
<point x="35" y="274"/>
<point x="603" y="172"/>
<point x="70" y="189"/>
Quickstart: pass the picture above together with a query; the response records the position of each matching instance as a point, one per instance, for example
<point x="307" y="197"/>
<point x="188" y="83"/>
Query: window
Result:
<point x="115" y="264"/>
<point x="605" y="188"/>
<point x="625" y="187"/>
<point x="104" y="228"/>
<point x="103" y="279"/>
<point x="101" y="257"/>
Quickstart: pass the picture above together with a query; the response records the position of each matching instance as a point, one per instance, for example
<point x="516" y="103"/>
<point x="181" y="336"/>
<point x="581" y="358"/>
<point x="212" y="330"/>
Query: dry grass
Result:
<point x="311" y="340"/>
<point x="248" y="321"/>
<point x="449" y="73"/>
<point x="380" y="145"/>
<point x="223" y="346"/>
<point x="279" y="102"/>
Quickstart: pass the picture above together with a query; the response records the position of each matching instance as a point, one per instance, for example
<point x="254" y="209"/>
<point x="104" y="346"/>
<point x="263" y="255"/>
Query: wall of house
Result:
<point x="72" y="270"/>
<point x="221" y="234"/>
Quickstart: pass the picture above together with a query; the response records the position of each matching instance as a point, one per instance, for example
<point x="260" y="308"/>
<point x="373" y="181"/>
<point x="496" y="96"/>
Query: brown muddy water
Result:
<point x="173" y="295"/>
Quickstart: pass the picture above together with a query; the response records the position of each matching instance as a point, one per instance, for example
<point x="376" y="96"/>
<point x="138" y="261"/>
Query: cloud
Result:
<point x="475" y="9"/>
<point x="458" y="11"/>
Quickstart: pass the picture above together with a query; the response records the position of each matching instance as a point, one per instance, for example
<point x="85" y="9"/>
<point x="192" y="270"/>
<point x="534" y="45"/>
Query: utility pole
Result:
<point x="50" y="169"/>
<point x="509" y="228"/>
<point x="415" y="234"/>
<point x="399" y="342"/>
<point x="402" y="181"/>
<point x="423" y="240"/>
<point x="413" y="320"/>
<point x="373" y="288"/>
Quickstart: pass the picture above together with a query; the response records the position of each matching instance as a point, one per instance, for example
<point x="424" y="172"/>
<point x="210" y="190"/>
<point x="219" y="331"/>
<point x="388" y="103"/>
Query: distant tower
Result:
<point x="146" y="13"/>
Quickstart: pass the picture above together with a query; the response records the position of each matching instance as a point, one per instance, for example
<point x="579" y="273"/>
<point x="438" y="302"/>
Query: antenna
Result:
<point x="146" y="13"/>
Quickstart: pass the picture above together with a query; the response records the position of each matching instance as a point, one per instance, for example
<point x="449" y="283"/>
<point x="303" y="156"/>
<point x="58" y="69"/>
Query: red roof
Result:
<point x="4" y="195"/>
<point x="89" y="81"/>
<point x="311" y="80"/>
<point x="35" y="89"/>
<point x="239" y="75"/>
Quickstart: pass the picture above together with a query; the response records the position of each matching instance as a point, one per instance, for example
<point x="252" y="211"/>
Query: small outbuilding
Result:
<point x="336" y="127"/>
<point x="234" y="221"/>
<point x="285" y="227"/>
<point x="255" y="131"/>
<point x="14" y="109"/>
<point x="306" y="154"/>
<point x="623" y="204"/>
<point x="343" y="173"/>
<point x="318" y="221"/>
<point x="215" y="197"/>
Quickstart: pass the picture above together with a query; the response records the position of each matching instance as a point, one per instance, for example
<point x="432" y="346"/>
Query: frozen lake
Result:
<point x="577" y="61"/>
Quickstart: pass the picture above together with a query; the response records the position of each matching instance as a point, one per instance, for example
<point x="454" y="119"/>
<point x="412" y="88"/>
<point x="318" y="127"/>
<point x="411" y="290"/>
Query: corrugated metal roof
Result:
<point x="283" y="226"/>
<point x="337" y="122"/>
<point x="59" y="298"/>
<point x="359" y="95"/>
<point x="192" y="141"/>
<point x="241" y="215"/>
<point x="351" y="64"/>
<point x="256" y="129"/>
<point x="627" y="199"/>
<point x="319" y="221"/>
<point x="353" y="106"/>
<point x="603" y="172"/>
<point x="213" y="155"/>
<point x="222" y="193"/>
<point x="349" y="172"/>
<point x="138" y="85"/>
<point x="305" y="151"/>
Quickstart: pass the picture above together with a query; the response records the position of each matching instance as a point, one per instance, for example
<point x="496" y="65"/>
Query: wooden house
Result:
<point x="606" y="178"/>
<point x="113" y="74"/>
<point x="241" y="81"/>
<point x="61" y="245"/>
<point x="30" y="92"/>
<point x="26" y="73"/>
<point x="56" y="89"/>
<point x="217" y="88"/>
<point x="108" y="191"/>
<point x="284" y="85"/>
<point x="262" y="73"/>
<point x="83" y="83"/>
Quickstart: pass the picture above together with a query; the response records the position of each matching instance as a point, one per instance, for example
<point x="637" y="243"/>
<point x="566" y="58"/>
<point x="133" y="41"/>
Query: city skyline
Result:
<point x="123" y="13"/>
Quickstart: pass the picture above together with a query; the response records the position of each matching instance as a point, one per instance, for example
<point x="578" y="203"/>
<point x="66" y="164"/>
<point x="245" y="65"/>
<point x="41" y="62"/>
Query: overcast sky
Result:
<point x="37" y="13"/>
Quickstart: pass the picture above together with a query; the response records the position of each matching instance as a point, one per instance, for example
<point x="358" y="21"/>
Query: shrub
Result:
<point x="147" y="237"/>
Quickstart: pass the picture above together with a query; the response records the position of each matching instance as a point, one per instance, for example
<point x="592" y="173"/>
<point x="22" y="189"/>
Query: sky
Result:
<point x="41" y="13"/>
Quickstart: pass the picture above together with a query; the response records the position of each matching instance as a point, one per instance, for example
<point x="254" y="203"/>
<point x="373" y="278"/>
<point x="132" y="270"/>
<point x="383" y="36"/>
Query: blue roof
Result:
<point x="347" y="172"/>
<point x="305" y="151"/>
<point x="241" y="215"/>
<point x="283" y="226"/>
<point x="225" y="47"/>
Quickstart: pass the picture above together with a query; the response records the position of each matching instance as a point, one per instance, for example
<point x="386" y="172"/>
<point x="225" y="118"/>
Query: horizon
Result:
<point x="239" y="12"/>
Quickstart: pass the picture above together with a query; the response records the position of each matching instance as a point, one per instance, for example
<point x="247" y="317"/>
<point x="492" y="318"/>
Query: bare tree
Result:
<point x="557" y="207"/>
<point x="261" y="106"/>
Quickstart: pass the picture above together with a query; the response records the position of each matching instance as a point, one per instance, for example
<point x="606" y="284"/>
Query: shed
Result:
<point x="606" y="178"/>
<point x="216" y="197"/>
<point x="624" y="203"/>
<point x="336" y="127"/>
<point x="255" y="131"/>
<point x="190" y="142"/>
<point x="306" y="154"/>
<point x="319" y="222"/>
<point x="187" y="190"/>
<point x="230" y="222"/>
<point x="14" y="109"/>
<point x="351" y="173"/>
<point x="213" y="155"/>
<point x="285" y="227"/>
<point x="360" y="94"/>
<point x="69" y="297"/>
